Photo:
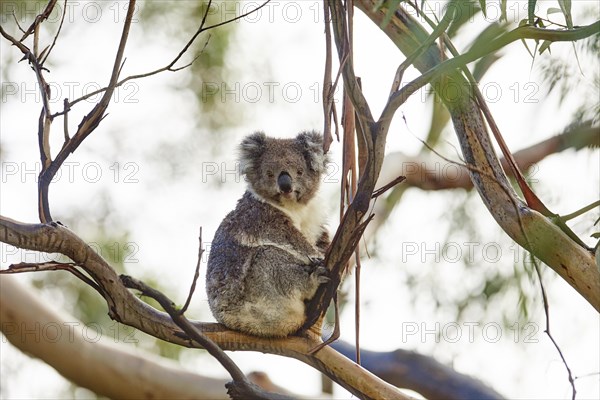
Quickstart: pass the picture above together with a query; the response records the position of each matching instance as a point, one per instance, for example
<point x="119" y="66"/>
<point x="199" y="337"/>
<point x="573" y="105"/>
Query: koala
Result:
<point x="266" y="259"/>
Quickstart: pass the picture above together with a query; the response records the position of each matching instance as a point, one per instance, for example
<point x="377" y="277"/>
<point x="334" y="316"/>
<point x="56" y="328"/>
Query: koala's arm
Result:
<point x="274" y="272"/>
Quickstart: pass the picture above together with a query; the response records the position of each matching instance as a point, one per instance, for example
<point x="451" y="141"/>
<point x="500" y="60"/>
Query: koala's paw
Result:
<point x="317" y="271"/>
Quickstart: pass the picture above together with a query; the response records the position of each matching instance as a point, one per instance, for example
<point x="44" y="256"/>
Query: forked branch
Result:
<point x="90" y="121"/>
<point x="126" y="308"/>
<point x="532" y="230"/>
<point x="241" y="387"/>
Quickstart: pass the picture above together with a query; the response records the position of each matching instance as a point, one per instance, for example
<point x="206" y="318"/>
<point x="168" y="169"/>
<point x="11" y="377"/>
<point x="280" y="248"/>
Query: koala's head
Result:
<point x="283" y="171"/>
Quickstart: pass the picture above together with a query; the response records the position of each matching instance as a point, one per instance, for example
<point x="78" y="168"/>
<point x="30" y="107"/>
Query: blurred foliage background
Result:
<point x="487" y="288"/>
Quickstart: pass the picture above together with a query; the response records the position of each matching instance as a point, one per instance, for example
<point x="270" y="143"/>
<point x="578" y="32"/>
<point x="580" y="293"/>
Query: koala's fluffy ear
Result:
<point x="250" y="150"/>
<point x="313" y="146"/>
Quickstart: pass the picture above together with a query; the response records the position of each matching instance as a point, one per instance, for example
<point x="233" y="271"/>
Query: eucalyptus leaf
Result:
<point x="531" y="11"/>
<point x="545" y="46"/>
<point x="503" y="16"/>
<point x="464" y="13"/>
<point x="553" y="10"/>
<point x="523" y="22"/>
<point x="482" y="4"/>
<point x="565" y="6"/>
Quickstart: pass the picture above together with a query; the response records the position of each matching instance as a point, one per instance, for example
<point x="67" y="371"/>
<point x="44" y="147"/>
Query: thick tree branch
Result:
<point x="124" y="307"/>
<point x="428" y="173"/>
<point x="110" y="369"/>
<point x="241" y="387"/>
<point x="533" y="231"/>
<point x="356" y="218"/>
<point x="423" y="374"/>
<point x="98" y="364"/>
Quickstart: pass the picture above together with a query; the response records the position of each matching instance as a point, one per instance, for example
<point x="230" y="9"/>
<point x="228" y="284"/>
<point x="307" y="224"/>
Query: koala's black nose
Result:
<point x="284" y="181"/>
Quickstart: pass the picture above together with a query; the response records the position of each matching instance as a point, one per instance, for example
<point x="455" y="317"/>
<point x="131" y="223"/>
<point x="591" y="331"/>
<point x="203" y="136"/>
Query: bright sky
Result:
<point x="278" y="66"/>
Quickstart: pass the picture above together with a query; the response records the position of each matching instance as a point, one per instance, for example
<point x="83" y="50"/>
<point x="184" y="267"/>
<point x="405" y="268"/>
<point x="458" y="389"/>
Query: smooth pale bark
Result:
<point x="126" y="308"/>
<point x="530" y="229"/>
<point x="114" y="370"/>
<point x="97" y="364"/>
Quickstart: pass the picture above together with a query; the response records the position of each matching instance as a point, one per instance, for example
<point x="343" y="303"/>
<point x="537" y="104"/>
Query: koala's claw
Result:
<point x="320" y="274"/>
<point x="316" y="261"/>
<point x="317" y="270"/>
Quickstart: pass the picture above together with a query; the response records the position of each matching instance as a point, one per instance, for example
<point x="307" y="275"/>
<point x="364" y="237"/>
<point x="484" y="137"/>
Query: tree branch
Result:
<point x="533" y="231"/>
<point x="427" y="174"/>
<point x="423" y="374"/>
<point x="95" y="364"/>
<point x="170" y="66"/>
<point x="432" y="71"/>
<point x="241" y="387"/>
<point x="355" y="219"/>
<point x="107" y="368"/>
<point x="124" y="307"/>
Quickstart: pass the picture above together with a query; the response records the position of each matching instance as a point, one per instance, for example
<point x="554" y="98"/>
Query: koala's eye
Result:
<point x="270" y="174"/>
<point x="300" y="172"/>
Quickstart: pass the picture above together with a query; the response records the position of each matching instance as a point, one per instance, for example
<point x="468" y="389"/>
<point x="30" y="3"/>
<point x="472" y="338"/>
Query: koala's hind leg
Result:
<point x="277" y="286"/>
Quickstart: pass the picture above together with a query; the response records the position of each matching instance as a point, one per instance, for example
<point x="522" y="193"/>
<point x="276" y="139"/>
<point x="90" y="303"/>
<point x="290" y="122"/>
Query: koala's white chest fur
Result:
<point x="307" y="218"/>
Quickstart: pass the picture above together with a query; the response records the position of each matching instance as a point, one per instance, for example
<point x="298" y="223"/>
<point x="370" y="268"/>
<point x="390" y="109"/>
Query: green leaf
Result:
<point x="482" y="4"/>
<point x="503" y="16"/>
<point x="553" y="10"/>
<point x="464" y="12"/>
<point x="537" y="45"/>
<point x="545" y="46"/>
<point x="487" y="35"/>
<point x="523" y="22"/>
<point x="565" y="6"/>
<point x="531" y="11"/>
<point x="482" y="65"/>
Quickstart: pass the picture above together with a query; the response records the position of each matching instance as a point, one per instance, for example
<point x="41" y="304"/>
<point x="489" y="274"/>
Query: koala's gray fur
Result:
<point x="266" y="258"/>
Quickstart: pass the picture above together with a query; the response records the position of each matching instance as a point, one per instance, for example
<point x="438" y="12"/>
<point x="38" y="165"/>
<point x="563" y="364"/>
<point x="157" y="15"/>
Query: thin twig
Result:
<point x="39" y="19"/>
<point x="577" y="213"/>
<point x="35" y="64"/>
<point x="388" y="186"/>
<point x="547" y="330"/>
<point x="357" y="270"/>
<point x="437" y="32"/>
<point x="24" y="49"/>
<point x="51" y="266"/>
<point x="169" y="67"/>
<point x="17" y="22"/>
<point x="241" y="386"/>
<point x="66" y="121"/>
<point x="196" y="275"/>
<point x="62" y="20"/>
